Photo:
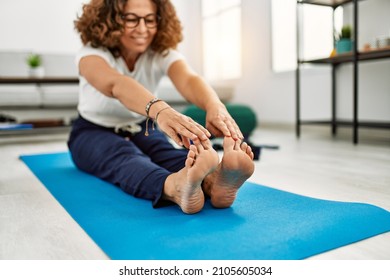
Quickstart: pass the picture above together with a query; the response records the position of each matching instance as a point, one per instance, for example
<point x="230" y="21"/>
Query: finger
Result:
<point x="220" y="126"/>
<point x="207" y="145"/>
<point x="198" y="145"/>
<point x="175" y="137"/>
<point x="185" y="133"/>
<point x="179" y="134"/>
<point x="189" y="120"/>
<point x="226" y="129"/>
<point x="189" y="124"/>
<point x="238" y="131"/>
<point x="186" y="142"/>
<point x="237" y="145"/>
<point x="234" y="129"/>
<point x="183" y="125"/>
<point x="214" y="131"/>
<point x="191" y="131"/>
<point x="203" y="129"/>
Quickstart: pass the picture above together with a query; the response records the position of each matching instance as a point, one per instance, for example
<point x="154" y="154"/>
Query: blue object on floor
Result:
<point x="15" y="126"/>
<point x="264" y="223"/>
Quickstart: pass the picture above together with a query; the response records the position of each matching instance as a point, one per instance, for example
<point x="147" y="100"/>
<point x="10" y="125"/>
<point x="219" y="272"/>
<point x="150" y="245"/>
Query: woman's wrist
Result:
<point x="155" y="107"/>
<point x="213" y="105"/>
<point x="150" y="104"/>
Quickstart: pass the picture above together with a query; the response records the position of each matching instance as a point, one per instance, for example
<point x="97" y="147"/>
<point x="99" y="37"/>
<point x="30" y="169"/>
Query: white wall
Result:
<point x="43" y="26"/>
<point x="189" y="13"/>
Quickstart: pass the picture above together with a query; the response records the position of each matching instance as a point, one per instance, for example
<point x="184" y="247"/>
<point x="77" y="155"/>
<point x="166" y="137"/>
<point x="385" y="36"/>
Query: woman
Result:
<point x="128" y="47"/>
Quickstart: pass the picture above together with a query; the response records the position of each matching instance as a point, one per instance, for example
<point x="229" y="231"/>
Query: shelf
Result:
<point x="36" y="128"/>
<point x="361" y="124"/>
<point x="349" y="57"/>
<point x="329" y="3"/>
<point x="34" y="131"/>
<point x="44" y="80"/>
<point x="354" y="58"/>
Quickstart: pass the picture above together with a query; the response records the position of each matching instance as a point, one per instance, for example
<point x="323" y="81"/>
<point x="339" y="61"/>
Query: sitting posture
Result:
<point x="128" y="46"/>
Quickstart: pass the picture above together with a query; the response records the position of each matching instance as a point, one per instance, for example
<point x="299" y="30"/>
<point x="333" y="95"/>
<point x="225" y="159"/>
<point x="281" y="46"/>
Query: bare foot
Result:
<point x="235" y="168"/>
<point x="184" y="187"/>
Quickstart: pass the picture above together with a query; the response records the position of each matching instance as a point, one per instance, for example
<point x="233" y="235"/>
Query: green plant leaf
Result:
<point x="34" y="60"/>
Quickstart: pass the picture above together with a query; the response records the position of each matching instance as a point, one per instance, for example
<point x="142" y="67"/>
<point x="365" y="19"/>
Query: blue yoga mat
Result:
<point x="263" y="223"/>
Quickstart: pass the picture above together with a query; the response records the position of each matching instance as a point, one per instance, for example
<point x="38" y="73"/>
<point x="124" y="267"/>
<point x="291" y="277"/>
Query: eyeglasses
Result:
<point x="132" y="20"/>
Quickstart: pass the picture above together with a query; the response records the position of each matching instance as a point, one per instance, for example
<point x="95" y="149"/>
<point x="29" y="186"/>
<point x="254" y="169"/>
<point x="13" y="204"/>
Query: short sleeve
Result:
<point x="169" y="59"/>
<point x="88" y="50"/>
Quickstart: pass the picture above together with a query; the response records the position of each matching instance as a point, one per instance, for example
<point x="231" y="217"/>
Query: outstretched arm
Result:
<point x="135" y="97"/>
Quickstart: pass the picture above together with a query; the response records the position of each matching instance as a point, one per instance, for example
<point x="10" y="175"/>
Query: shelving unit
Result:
<point x="354" y="57"/>
<point x="38" y="82"/>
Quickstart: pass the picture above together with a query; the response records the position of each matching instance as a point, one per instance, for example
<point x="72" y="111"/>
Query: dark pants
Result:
<point x="138" y="164"/>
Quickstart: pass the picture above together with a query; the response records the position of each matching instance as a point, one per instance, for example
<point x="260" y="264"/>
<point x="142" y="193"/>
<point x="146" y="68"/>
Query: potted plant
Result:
<point x="34" y="62"/>
<point x="344" y="40"/>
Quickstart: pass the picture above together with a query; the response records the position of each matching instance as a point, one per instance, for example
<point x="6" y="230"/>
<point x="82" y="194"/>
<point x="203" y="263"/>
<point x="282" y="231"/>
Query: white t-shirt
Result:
<point x="100" y="109"/>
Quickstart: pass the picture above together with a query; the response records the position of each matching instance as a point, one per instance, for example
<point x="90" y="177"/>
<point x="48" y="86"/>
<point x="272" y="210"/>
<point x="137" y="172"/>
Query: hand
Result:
<point x="181" y="128"/>
<point x="220" y="123"/>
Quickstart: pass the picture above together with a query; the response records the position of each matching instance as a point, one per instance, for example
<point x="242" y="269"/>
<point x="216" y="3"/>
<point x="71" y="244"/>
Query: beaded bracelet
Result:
<point x="150" y="103"/>
<point x="147" y="108"/>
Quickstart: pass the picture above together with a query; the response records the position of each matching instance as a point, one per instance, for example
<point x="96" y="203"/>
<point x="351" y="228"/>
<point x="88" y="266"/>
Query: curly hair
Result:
<point x="101" y="25"/>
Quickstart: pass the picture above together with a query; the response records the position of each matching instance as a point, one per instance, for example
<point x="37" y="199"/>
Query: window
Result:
<point x="221" y="39"/>
<point x="316" y="32"/>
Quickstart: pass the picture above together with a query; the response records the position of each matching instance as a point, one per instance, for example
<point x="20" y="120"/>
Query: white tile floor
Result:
<point x="33" y="225"/>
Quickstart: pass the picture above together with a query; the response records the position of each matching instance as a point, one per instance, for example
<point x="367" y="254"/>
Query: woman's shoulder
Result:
<point x="88" y="50"/>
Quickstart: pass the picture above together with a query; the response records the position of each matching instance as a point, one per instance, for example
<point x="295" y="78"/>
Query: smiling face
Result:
<point x="135" y="40"/>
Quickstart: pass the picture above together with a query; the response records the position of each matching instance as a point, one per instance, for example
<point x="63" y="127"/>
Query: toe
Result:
<point x="228" y="144"/>
<point x="198" y="145"/>
<point x="192" y="152"/>
<point x="244" y="146"/>
<point x="189" y="162"/>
